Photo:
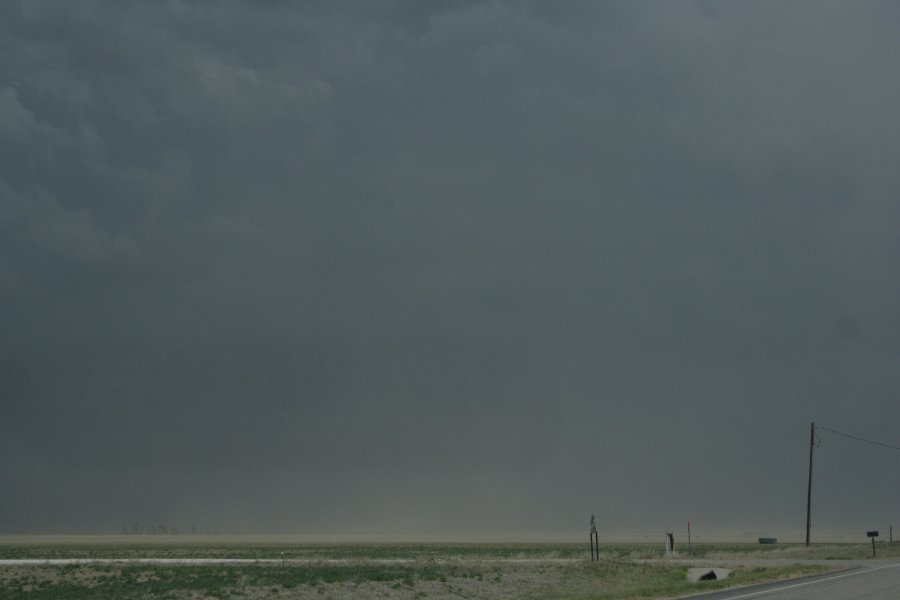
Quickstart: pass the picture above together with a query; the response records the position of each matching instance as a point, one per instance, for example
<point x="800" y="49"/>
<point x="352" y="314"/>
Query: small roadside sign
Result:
<point x="873" y="535"/>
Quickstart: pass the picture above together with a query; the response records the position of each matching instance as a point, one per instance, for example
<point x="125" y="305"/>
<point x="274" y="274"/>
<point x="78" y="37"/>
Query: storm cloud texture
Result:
<point x="448" y="267"/>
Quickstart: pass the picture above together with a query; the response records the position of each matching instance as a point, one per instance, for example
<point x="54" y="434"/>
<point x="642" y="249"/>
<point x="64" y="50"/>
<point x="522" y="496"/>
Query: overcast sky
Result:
<point x="448" y="267"/>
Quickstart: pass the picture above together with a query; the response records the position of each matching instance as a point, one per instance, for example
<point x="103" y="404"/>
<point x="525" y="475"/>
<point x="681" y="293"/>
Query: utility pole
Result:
<point x="812" y="444"/>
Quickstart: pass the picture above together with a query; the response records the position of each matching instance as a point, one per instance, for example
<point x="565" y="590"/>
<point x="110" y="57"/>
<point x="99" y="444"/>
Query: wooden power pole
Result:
<point x="812" y="444"/>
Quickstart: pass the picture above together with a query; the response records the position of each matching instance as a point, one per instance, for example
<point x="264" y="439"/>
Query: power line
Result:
<point x="813" y="442"/>
<point x="859" y="439"/>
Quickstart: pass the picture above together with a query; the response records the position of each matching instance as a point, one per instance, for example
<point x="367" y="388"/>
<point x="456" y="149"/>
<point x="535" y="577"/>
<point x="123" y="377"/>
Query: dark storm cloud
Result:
<point x="476" y="266"/>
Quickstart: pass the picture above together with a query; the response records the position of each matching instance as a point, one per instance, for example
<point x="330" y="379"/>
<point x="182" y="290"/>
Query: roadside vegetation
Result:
<point x="555" y="571"/>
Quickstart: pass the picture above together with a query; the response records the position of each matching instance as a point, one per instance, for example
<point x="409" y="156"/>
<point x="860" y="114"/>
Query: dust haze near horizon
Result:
<point x="447" y="268"/>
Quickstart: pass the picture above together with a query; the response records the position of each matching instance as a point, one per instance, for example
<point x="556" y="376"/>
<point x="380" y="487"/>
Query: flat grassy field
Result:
<point x="395" y="570"/>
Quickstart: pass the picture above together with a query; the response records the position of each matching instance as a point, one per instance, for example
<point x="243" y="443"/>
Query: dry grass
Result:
<point x="383" y="571"/>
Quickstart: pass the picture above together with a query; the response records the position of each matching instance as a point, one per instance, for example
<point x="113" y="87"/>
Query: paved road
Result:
<point x="878" y="582"/>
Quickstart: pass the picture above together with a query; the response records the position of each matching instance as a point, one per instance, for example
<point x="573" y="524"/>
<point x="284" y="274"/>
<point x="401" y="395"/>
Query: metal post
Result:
<point x="689" y="537"/>
<point x="873" y="535"/>
<point x="812" y="444"/>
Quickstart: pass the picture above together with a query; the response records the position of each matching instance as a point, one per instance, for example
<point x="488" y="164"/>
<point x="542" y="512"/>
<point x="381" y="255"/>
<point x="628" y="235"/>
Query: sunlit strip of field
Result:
<point x="699" y="535"/>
